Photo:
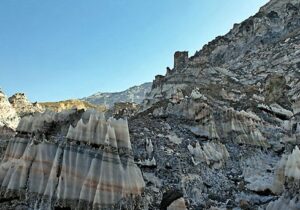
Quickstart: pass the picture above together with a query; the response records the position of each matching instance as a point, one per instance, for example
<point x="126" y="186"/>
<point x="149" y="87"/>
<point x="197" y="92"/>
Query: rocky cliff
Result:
<point x="224" y="123"/>
<point x="8" y="115"/>
<point x="134" y="94"/>
<point x="23" y="106"/>
<point x="70" y="104"/>
<point x="258" y="60"/>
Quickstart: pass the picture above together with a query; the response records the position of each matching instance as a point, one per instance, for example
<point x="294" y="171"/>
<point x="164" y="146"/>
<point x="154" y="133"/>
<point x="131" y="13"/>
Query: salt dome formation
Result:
<point x="70" y="159"/>
<point x="23" y="106"/>
<point x="15" y="107"/>
<point x="8" y="115"/>
<point x="220" y="130"/>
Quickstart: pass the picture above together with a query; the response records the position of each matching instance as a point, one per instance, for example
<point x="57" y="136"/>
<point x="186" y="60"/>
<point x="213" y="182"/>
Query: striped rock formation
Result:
<point x="89" y="165"/>
<point x="286" y="182"/>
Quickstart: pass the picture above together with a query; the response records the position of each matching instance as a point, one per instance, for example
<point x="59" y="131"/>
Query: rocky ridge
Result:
<point x="8" y="116"/>
<point x="23" y="106"/>
<point x="12" y="109"/>
<point x="70" y="104"/>
<point x="71" y="159"/>
<point x="234" y="105"/>
<point x="256" y="59"/>
<point x="134" y="94"/>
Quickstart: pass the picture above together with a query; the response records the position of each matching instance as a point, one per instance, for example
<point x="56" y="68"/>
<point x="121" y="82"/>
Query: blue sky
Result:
<point x="60" y="49"/>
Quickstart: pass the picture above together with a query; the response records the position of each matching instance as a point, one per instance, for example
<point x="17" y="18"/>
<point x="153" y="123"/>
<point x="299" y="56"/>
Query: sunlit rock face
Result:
<point x="258" y="60"/>
<point x="125" y="109"/>
<point x="135" y="94"/>
<point x="71" y="104"/>
<point x="23" y="106"/>
<point x="216" y="122"/>
<point x="8" y="115"/>
<point x="220" y="129"/>
<point x="71" y="159"/>
<point x="15" y="107"/>
<point x="241" y="94"/>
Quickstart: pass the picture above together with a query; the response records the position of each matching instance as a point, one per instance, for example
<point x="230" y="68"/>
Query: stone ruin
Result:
<point x="180" y="60"/>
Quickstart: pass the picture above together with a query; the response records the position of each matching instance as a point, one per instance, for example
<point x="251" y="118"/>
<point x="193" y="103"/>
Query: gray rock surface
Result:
<point x="220" y="130"/>
<point x="14" y="108"/>
<point x="134" y="94"/>
<point x="23" y="106"/>
<point x="257" y="60"/>
<point x="8" y="115"/>
<point x="242" y="90"/>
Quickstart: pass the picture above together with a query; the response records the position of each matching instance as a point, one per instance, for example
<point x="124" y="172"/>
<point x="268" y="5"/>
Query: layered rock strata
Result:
<point x="286" y="182"/>
<point x="88" y="165"/>
<point x="241" y="90"/>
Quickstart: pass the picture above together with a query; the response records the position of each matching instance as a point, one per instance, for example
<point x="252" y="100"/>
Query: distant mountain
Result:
<point x="134" y="94"/>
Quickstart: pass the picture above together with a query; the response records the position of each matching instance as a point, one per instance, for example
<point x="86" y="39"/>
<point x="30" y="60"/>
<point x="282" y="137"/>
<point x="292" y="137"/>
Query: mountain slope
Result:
<point x="23" y="106"/>
<point x="8" y="115"/>
<point x="225" y="123"/>
<point x="12" y="109"/>
<point x="242" y="60"/>
<point x="220" y="130"/>
<point x="134" y="94"/>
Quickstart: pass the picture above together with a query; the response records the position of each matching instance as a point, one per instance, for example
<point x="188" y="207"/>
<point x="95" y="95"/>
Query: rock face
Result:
<point x="8" y="115"/>
<point x="14" y="108"/>
<point x="125" y="109"/>
<point x="134" y="94"/>
<point x="70" y="104"/>
<point x="258" y="60"/>
<point x="235" y="107"/>
<point x="23" y="106"/>
<point x="214" y="154"/>
<point x="72" y="159"/>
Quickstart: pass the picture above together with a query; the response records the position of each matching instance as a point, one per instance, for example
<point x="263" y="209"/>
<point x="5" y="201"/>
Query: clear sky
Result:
<point x="60" y="49"/>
